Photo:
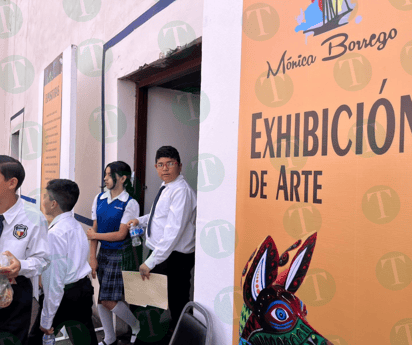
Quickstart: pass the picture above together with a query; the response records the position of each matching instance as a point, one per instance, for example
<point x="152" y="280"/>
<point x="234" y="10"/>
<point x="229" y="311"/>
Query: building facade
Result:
<point x="294" y="123"/>
<point x="141" y="71"/>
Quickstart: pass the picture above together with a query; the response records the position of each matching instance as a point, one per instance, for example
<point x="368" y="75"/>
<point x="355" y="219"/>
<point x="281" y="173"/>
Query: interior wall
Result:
<point x="165" y="127"/>
<point x="126" y="102"/>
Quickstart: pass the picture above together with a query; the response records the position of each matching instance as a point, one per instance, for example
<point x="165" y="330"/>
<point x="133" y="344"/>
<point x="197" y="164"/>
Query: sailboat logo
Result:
<point x="324" y="15"/>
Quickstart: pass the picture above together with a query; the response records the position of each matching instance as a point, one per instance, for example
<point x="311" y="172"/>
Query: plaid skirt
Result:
<point x="109" y="271"/>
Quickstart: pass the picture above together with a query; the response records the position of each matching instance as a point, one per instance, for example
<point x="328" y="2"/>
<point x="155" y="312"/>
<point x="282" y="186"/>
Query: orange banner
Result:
<point x="325" y="148"/>
<point x="52" y="111"/>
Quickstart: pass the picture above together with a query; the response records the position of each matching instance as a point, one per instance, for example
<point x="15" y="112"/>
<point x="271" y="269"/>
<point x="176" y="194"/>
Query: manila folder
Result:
<point x="141" y="292"/>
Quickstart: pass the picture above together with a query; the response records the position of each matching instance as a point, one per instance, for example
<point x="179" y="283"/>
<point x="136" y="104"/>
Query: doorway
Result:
<point x="167" y="113"/>
<point x="173" y="120"/>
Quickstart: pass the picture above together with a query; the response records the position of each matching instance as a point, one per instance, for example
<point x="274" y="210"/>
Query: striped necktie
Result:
<point x="1" y="223"/>
<point x="153" y="209"/>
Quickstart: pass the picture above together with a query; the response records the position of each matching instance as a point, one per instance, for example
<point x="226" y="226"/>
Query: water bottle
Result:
<point x="135" y="233"/>
<point x="49" y="339"/>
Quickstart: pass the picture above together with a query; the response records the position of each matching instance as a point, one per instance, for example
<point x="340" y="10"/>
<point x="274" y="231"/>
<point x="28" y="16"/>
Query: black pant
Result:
<point x="177" y="268"/>
<point x="15" y="319"/>
<point x="74" y="312"/>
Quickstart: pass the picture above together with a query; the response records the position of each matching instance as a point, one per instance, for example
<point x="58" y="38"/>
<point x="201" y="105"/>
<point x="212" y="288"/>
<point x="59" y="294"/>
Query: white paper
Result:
<point x="146" y="292"/>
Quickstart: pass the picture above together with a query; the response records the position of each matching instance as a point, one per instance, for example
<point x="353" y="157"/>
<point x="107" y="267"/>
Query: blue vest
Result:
<point x="108" y="219"/>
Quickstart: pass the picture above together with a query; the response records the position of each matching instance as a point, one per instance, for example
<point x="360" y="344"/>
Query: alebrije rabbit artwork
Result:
<point x="272" y="314"/>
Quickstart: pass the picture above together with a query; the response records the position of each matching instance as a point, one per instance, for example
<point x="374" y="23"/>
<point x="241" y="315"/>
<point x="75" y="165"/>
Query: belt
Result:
<point x="71" y="285"/>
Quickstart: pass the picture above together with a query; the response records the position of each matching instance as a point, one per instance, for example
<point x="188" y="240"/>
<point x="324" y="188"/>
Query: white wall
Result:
<point x="164" y="128"/>
<point x="68" y="115"/>
<point x="47" y="30"/>
<point x="144" y="45"/>
<point x="45" y="33"/>
<point x="4" y="118"/>
<point x="215" y="239"/>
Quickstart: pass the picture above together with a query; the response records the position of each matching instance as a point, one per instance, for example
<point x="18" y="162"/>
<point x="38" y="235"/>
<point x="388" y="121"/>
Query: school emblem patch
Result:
<point x="20" y="231"/>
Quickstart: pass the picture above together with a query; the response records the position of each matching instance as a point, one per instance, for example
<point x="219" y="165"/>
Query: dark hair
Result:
<point x="65" y="192"/>
<point x="168" y="152"/>
<point x="122" y="169"/>
<point x="10" y="167"/>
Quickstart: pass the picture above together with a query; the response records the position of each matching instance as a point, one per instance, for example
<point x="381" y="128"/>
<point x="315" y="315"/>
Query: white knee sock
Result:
<point x="123" y="311"/>
<point x="106" y="317"/>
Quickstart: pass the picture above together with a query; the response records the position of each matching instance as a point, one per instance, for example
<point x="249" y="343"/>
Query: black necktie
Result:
<point x="153" y="209"/>
<point x="1" y="223"/>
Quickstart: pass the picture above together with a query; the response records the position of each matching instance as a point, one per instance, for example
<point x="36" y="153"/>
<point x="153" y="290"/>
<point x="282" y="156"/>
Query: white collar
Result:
<point x="60" y="217"/>
<point x="123" y="196"/>
<point x="13" y="211"/>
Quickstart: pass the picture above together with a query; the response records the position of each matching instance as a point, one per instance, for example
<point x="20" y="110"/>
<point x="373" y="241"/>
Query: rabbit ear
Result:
<point x="300" y="264"/>
<point x="260" y="271"/>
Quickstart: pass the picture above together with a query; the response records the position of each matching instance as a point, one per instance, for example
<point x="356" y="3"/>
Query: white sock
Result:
<point x="106" y="317"/>
<point x="123" y="311"/>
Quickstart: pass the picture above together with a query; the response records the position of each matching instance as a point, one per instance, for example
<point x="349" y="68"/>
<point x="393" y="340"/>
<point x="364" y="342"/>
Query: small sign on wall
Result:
<point x="52" y="118"/>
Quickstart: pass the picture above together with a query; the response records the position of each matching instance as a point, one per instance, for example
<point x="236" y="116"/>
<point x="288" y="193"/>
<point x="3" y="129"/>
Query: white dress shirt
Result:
<point x="69" y="253"/>
<point x="132" y="207"/>
<point x="25" y="236"/>
<point x="173" y="222"/>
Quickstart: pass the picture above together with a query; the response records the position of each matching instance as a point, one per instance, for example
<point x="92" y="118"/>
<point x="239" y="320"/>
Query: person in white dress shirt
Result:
<point x="68" y="292"/>
<point x="23" y="237"/>
<point x="111" y="211"/>
<point x="170" y="232"/>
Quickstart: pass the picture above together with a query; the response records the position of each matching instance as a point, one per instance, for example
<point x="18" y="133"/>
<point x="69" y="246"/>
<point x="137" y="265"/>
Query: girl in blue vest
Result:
<point x="110" y="213"/>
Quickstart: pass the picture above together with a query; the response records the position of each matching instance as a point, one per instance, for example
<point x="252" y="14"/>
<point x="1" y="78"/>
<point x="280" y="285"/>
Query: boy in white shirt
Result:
<point x="23" y="237"/>
<point x="68" y="292"/>
<point x="170" y="232"/>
